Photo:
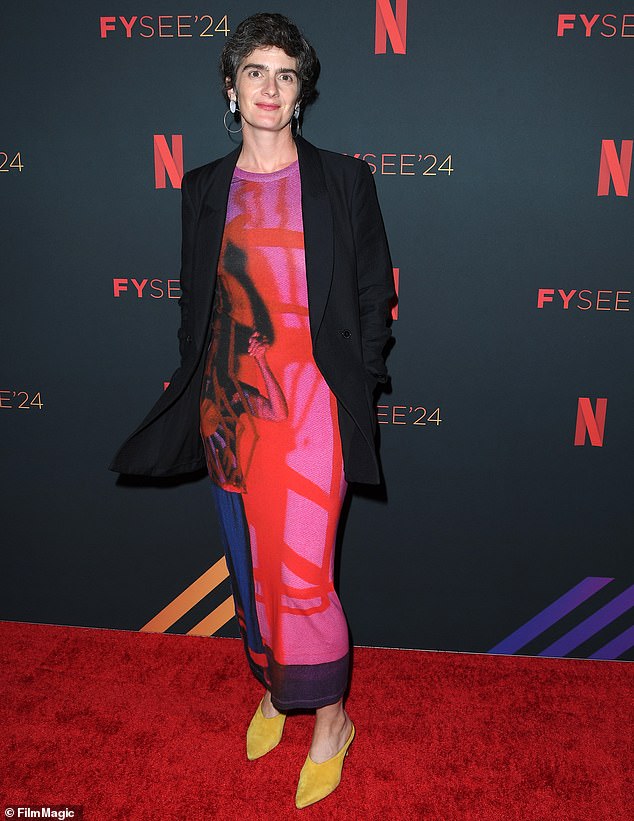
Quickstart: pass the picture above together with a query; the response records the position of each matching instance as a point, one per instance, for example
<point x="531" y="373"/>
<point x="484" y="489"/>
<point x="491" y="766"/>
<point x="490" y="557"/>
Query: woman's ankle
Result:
<point x="268" y="707"/>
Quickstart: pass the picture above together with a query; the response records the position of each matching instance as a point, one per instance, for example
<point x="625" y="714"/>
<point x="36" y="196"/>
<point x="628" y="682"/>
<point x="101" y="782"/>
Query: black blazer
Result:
<point x="350" y="290"/>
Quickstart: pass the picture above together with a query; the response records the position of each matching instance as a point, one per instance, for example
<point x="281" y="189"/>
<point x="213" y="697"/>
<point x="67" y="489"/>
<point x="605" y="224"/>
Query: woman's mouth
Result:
<point x="267" y="106"/>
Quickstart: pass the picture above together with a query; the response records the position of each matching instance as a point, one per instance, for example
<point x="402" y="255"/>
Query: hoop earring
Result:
<point x="295" y="118"/>
<point x="224" y="120"/>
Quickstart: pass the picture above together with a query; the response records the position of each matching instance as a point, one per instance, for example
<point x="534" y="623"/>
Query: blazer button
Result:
<point x="188" y="338"/>
<point x="346" y="333"/>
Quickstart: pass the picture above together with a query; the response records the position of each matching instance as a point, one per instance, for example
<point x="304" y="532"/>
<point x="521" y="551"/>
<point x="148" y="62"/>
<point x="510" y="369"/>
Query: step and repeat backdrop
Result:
<point x="500" y="138"/>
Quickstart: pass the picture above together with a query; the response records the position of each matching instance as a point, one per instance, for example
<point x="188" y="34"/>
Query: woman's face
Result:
<point x="268" y="87"/>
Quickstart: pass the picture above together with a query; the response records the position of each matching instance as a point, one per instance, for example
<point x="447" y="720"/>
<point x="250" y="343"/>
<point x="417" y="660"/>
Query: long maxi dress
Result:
<point x="277" y="472"/>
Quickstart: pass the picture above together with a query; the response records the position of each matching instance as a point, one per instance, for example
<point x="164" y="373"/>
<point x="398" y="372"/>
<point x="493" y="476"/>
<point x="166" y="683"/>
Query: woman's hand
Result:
<point x="258" y="346"/>
<point x="274" y="408"/>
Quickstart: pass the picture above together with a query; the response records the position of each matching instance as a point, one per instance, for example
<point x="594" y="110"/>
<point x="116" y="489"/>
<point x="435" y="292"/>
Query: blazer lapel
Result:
<point x="208" y="239"/>
<point x="318" y="231"/>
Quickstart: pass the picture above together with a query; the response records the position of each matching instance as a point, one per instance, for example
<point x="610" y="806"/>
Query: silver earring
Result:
<point x="233" y="107"/>
<point x="295" y="119"/>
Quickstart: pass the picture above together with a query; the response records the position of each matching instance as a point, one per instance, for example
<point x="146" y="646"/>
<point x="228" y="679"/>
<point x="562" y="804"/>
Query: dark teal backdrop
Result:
<point x="494" y="532"/>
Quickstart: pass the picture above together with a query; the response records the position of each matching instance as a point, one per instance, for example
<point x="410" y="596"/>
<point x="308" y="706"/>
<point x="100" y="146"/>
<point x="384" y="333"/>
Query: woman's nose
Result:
<point x="271" y="85"/>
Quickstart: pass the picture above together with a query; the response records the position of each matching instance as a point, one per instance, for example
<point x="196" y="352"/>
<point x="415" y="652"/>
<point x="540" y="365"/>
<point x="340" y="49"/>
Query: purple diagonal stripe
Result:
<point x="551" y="614"/>
<point x="615" y="648"/>
<point x="588" y="627"/>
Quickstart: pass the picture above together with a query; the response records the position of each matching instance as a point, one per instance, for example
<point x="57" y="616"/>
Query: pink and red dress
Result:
<point x="270" y="431"/>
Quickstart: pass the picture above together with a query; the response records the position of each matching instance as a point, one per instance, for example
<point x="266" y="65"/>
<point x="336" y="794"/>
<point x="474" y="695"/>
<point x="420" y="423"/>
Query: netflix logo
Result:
<point x="615" y="168"/>
<point x="396" y="273"/>
<point x="590" y="421"/>
<point x="390" y="24"/>
<point x="168" y="161"/>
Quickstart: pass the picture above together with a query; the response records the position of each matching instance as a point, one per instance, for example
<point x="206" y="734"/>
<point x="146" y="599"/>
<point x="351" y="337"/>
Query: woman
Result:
<point x="286" y="286"/>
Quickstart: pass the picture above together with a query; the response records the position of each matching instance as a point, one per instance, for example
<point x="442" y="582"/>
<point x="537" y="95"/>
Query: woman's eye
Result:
<point x="253" y="72"/>
<point x="287" y="77"/>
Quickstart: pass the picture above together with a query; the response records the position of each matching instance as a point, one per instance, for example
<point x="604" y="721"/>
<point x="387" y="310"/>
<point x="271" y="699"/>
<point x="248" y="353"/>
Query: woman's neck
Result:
<point x="266" y="151"/>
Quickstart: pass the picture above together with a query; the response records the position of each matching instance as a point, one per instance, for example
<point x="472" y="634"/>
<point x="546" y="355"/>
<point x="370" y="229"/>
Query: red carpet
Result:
<point x="152" y="726"/>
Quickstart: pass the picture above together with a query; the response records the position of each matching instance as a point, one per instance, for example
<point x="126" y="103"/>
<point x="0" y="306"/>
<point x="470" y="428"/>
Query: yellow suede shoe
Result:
<point x="263" y="733"/>
<point x="316" y="781"/>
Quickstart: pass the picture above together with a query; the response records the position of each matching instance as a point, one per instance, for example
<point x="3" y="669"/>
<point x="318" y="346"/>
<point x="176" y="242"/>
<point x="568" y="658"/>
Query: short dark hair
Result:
<point x="268" y="29"/>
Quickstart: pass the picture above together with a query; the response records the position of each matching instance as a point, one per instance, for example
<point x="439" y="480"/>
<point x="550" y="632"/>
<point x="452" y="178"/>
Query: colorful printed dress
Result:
<point x="269" y="425"/>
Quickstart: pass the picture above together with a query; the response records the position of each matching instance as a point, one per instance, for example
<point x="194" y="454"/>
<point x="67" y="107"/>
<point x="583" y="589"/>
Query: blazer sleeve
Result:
<point x="375" y="277"/>
<point x="187" y="256"/>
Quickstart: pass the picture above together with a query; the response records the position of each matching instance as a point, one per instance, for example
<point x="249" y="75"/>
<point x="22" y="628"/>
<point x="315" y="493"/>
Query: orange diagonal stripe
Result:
<point x="215" y="620"/>
<point x="184" y="602"/>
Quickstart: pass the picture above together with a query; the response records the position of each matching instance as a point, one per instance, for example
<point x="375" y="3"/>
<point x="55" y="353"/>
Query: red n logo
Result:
<point x="396" y="272"/>
<point x="591" y="421"/>
<point x="170" y="160"/>
<point x="615" y="169"/>
<point x="388" y="23"/>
